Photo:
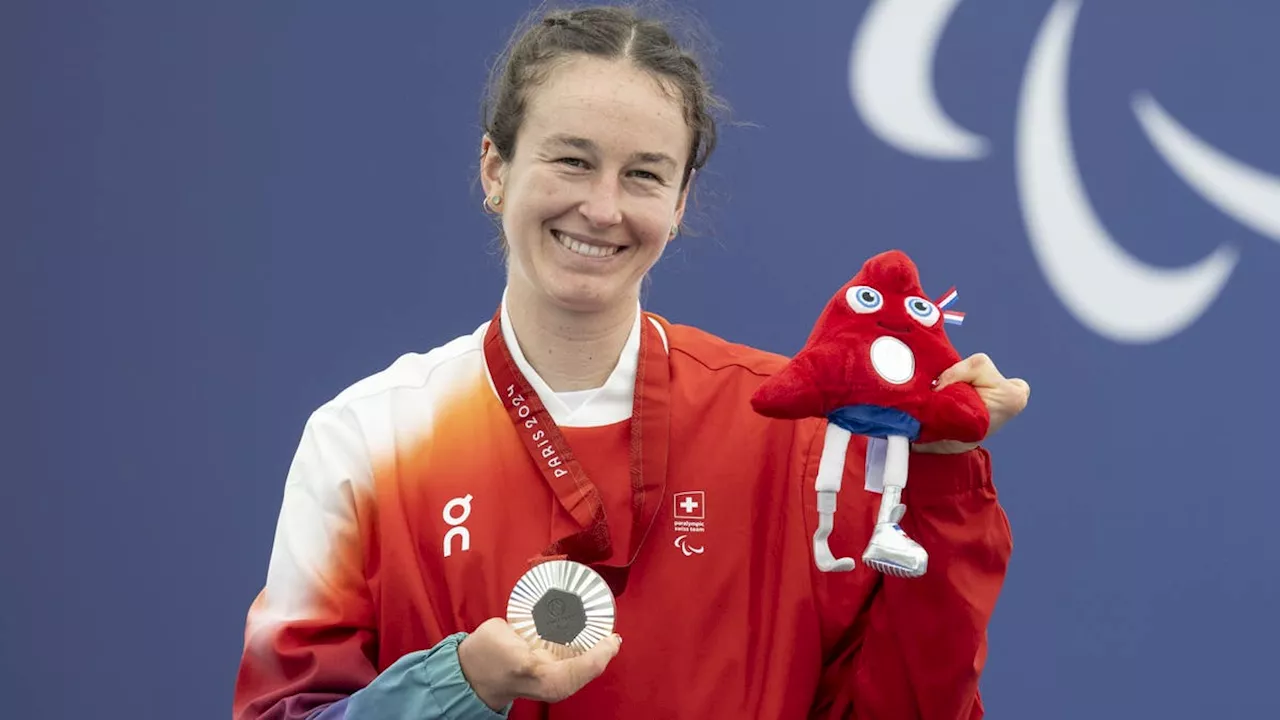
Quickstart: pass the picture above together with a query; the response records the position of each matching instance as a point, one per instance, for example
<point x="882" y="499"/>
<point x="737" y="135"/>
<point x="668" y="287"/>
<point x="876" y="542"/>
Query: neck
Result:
<point x="570" y="350"/>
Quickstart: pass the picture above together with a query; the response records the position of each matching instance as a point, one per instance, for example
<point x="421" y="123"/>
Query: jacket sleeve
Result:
<point x="424" y="685"/>
<point x="905" y="648"/>
<point x="310" y="636"/>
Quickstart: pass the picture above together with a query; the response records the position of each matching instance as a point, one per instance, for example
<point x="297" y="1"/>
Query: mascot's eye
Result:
<point x="925" y="312"/>
<point x="863" y="299"/>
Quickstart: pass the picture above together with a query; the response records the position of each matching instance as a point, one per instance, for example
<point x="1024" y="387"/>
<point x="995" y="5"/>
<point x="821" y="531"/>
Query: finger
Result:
<point x="968" y="370"/>
<point x="558" y="680"/>
<point x="504" y="635"/>
<point x="1006" y="402"/>
<point x="963" y="371"/>
<point x="589" y="665"/>
<point x="563" y="678"/>
<point x="1021" y="392"/>
<point x="985" y="374"/>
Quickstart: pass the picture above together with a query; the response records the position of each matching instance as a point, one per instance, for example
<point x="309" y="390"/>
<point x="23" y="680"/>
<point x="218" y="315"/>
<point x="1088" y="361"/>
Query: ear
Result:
<point x="682" y="201"/>
<point x="492" y="167"/>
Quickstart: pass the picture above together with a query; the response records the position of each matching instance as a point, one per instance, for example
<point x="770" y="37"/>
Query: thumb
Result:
<point x="566" y="677"/>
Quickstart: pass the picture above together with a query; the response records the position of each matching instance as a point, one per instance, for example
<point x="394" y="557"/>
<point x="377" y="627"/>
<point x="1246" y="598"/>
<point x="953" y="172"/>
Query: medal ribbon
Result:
<point x="568" y="480"/>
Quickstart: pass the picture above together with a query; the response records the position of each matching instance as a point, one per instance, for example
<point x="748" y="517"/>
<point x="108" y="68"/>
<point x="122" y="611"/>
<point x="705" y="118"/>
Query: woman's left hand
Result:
<point x="1004" y="397"/>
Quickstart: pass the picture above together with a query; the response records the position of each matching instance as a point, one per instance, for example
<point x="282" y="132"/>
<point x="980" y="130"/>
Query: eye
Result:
<point x="925" y="312"/>
<point x="864" y="299"/>
<point x="573" y="162"/>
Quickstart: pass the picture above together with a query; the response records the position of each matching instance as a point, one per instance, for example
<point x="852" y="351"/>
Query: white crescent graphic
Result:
<point x="1111" y="292"/>
<point x="1248" y="195"/>
<point x="686" y="548"/>
<point x="891" y="80"/>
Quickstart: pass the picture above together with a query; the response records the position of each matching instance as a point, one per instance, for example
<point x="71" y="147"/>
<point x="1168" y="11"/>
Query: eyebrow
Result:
<point x="586" y="145"/>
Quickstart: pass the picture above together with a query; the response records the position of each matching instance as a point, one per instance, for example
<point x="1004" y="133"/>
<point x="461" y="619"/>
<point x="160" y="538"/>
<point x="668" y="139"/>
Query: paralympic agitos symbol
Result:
<point x="1110" y="291"/>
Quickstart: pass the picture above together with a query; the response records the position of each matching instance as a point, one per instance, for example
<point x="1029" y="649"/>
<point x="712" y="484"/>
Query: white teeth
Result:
<point x="582" y="248"/>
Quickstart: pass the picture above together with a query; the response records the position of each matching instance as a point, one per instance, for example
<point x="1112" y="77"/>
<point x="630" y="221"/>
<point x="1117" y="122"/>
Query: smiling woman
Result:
<point x="595" y="127"/>
<point x="590" y="195"/>
<point x="567" y="428"/>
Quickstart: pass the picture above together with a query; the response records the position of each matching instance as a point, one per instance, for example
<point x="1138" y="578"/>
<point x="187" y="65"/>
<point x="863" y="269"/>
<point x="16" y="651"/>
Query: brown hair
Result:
<point x="546" y="38"/>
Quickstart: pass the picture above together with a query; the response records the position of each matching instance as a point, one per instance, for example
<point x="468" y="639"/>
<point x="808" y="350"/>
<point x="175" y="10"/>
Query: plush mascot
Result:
<point x="869" y="367"/>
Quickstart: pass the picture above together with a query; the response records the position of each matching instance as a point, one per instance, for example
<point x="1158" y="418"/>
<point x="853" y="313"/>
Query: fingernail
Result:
<point x="618" y="638"/>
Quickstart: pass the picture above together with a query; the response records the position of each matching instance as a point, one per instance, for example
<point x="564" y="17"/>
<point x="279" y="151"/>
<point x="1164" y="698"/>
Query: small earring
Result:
<point x="491" y="203"/>
<point x="675" y="230"/>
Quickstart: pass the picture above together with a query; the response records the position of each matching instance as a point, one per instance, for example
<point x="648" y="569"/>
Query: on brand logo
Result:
<point x="455" y="513"/>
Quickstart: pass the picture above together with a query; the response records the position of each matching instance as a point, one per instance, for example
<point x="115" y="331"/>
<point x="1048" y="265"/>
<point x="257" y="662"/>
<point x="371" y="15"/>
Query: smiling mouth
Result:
<point x="584" y="249"/>
<point x="894" y="329"/>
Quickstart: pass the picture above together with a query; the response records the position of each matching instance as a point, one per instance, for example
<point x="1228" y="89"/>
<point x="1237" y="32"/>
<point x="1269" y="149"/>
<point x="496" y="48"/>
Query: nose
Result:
<point x="601" y="207"/>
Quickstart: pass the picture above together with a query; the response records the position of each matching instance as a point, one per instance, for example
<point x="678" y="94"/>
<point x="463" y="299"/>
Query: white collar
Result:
<point x="610" y="403"/>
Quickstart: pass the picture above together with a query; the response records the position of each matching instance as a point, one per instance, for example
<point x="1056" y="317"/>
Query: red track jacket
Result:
<point x="724" y="613"/>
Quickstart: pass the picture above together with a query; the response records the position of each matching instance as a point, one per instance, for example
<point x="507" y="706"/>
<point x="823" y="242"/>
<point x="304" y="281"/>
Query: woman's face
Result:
<point x="592" y="194"/>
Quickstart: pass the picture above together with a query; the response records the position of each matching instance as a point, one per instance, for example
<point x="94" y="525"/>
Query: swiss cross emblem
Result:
<point x="691" y="505"/>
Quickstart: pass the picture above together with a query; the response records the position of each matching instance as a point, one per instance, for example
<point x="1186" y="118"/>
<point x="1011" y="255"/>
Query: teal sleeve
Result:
<point x="424" y="685"/>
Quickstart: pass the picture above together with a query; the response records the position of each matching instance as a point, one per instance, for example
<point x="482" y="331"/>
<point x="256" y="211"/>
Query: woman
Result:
<point x="419" y="495"/>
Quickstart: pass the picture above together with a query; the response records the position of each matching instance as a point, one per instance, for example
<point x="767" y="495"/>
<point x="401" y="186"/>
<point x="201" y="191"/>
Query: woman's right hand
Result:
<point x="501" y="666"/>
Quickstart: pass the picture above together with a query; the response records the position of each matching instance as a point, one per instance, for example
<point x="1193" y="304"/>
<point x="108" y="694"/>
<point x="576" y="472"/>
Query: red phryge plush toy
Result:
<point x="869" y="367"/>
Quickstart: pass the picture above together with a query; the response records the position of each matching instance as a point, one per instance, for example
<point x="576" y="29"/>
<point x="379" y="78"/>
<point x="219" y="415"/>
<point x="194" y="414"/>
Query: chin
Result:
<point x="586" y="296"/>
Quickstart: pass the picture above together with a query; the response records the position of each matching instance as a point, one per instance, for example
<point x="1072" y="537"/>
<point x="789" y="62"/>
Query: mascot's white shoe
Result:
<point x="893" y="553"/>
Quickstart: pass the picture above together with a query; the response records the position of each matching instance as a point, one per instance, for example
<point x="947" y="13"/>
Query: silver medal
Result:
<point x="562" y="607"/>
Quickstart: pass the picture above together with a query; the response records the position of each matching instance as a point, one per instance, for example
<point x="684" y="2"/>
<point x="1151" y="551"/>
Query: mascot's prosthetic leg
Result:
<point x="869" y="368"/>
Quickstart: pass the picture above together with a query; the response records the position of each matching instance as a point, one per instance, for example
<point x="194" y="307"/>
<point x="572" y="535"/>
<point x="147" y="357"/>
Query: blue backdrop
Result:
<point x="217" y="215"/>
